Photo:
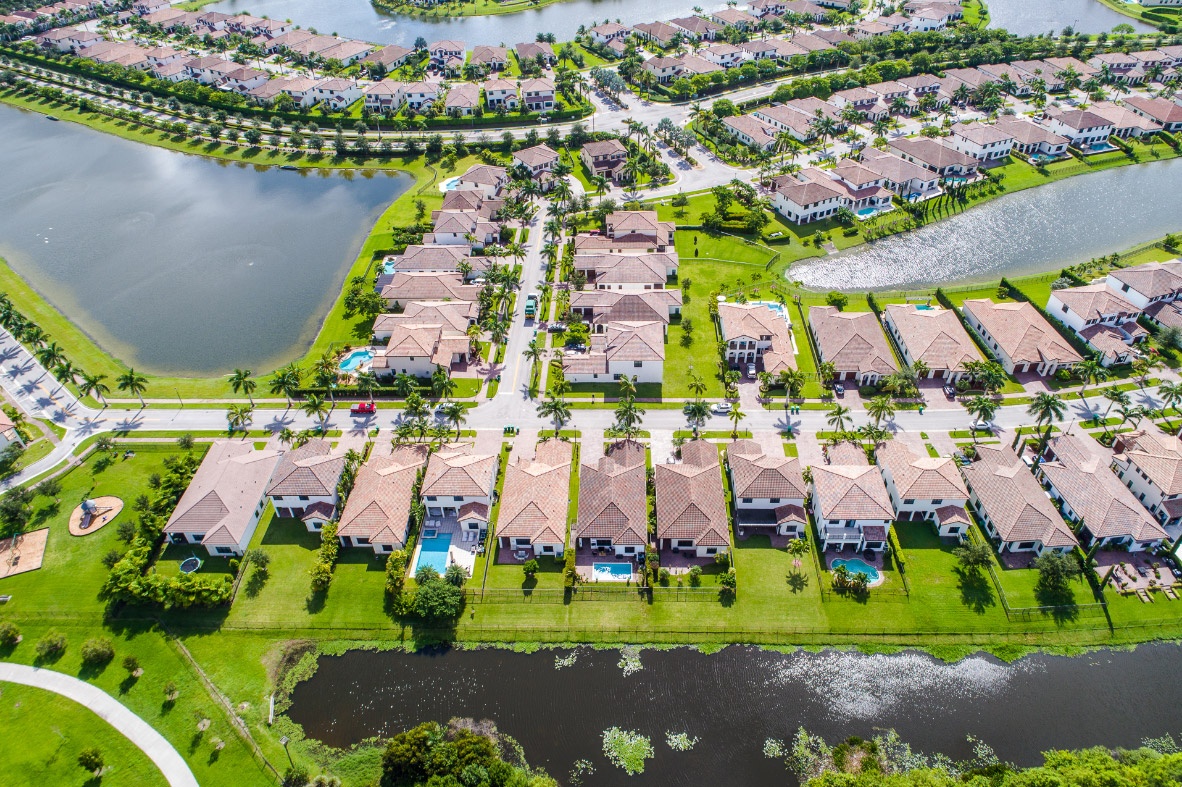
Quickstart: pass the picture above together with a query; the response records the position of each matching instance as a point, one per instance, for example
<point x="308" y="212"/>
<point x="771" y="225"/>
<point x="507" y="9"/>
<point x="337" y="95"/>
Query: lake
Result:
<point x="359" y="19"/>
<point x="1031" y="231"/>
<point x="175" y="263"/>
<point x="735" y="699"/>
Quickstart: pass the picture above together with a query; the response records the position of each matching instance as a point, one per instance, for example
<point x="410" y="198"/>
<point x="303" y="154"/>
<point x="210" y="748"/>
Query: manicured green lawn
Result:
<point x="511" y="575"/>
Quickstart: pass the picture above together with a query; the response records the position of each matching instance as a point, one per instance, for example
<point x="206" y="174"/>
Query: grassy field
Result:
<point x="45" y="734"/>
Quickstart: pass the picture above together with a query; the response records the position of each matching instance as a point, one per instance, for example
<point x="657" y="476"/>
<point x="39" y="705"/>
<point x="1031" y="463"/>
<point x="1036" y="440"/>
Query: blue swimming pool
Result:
<point x="867" y="212"/>
<point x="433" y="552"/>
<point x="612" y="571"/>
<point x="451" y="184"/>
<point x="857" y="565"/>
<point x="388" y="266"/>
<point x="356" y="359"/>
<point x="924" y="307"/>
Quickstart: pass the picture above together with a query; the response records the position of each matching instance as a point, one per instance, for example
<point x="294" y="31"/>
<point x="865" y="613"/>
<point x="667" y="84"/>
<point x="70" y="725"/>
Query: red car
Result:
<point x="363" y="408"/>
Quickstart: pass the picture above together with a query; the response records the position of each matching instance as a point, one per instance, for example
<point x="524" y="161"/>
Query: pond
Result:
<point x="359" y="19"/>
<point x="1036" y="230"/>
<point x="735" y="699"/>
<point x="175" y="263"/>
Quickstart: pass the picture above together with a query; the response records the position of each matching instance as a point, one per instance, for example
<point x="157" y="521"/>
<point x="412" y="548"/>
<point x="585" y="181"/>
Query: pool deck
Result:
<point x="585" y="560"/>
<point x="459" y="552"/>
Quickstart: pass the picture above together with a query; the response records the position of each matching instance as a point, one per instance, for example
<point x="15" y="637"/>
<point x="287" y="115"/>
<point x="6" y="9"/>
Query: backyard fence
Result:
<point x="592" y="592"/>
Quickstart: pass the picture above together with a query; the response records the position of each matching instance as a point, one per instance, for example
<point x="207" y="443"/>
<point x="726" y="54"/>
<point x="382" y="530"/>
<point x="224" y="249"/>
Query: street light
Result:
<point x="284" y="740"/>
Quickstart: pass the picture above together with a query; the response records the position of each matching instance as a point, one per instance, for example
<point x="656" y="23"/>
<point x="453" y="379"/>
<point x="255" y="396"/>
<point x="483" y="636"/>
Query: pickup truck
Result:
<point x="363" y="408"/>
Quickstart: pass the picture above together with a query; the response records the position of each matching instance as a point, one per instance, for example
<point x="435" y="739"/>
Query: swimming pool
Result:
<point x="857" y="565"/>
<point x="433" y="552"/>
<point x="612" y="572"/>
<point x="388" y="266"/>
<point x="356" y="359"/>
<point x="451" y="184"/>
<point x="778" y="308"/>
<point x="924" y="307"/>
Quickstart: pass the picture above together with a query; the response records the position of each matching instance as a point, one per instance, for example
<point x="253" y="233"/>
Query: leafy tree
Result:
<point x="90" y="759"/>
<point x="1055" y="572"/>
<point x="973" y="556"/>
<point x="437" y="600"/>
<point x="97" y="650"/>
<point x="530" y="567"/>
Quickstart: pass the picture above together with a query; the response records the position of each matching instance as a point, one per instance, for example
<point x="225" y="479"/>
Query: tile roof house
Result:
<point x="632" y="272"/>
<point x="418" y="348"/>
<point x="8" y="432"/>
<point x="1032" y="139"/>
<point x="534" y="501"/>
<point x="532" y="50"/>
<point x="1149" y="283"/>
<point x="982" y="141"/>
<point x="802" y="202"/>
<point x="769" y="490"/>
<point x="939" y="157"/>
<point x="628" y="230"/>
<point x="606" y="157"/>
<point x="752" y="131"/>
<point x="934" y="336"/>
<point x="613" y="501"/>
<point x="462" y="99"/>
<point x="853" y="342"/>
<point x="1013" y="508"/>
<point x="405" y="287"/>
<point x="1105" y="320"/>
<point x="1150" y="465"/>
<point x="690" y="505"/>
<point x="1126" y="123"/>
<point x="489" y="58"/>
<point x="304" y="485"/>
<point x="696" y="28"/>
<point x="536" y="160"/>
<point x="377" y="513"/>
<point x="538" y="95"/>
<point x="851" y="507"/>
<point x="1021" y="339"/>
<point x="486" y="177"/>
<point x="455" y="315"/>
<point x="924" y="488"/>
<point x="224" y="501"/>
<point x="1082" y="127"/>
<point x="1160" y="110"/>
<point x="601" y="307"/>
<point x="624" y="349"/>
<point x="755" y="333"/>
<point x="459" y="483"/>
<point x="1076" y="472"/>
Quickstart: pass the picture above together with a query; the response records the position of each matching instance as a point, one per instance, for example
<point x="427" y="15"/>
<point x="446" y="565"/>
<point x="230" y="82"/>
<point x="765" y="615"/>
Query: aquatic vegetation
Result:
<point x="630" y="660"/>
<point x="680" y="741"/>
<point x="568" y="660"/>
<point x="627" y="749"/>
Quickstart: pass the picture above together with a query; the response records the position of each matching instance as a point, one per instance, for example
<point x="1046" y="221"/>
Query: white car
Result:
<point x="721" y="408"/>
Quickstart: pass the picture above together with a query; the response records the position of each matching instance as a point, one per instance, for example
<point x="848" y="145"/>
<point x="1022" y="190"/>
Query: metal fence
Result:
<point x="593" y="592"/>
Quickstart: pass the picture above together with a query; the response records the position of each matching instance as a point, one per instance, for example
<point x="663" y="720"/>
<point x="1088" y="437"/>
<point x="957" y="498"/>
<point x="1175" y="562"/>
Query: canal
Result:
<point x="359" y="19"/>
<point x="174" y="263"/>
<point x="1031" y="231"/>
<point x="735" y="699"/>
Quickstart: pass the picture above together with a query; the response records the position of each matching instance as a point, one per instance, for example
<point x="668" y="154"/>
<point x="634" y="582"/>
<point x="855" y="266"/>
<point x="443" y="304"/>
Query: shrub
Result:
<point x="530" y="567"/>
<point x="436" y="600"/>
<point x="259" y="558"/>
<point x="131" y="664"/>
<point x="9" y="634"/>
<point x="51" y="646"/>
<point x="111" y="558"/>
<point x="663" y="576"/>
<point x="570" y="575"/>
<point x="695" y="576"/>
<point x="90" y="759"/>
<point x="171" y="692"/>
<point x="296" y="776"/>
<point x="97" y="650"/>
<point x="125" y="530"/>
<point x="321" y="573"/>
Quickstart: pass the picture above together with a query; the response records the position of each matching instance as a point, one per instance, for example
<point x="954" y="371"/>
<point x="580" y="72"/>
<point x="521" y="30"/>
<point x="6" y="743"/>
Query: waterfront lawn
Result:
<point x="47" y="732"/>
<point x="938" y="585"/>
<point x="510" y="576"/>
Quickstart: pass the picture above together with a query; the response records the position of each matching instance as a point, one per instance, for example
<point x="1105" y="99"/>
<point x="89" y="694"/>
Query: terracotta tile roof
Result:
<point x="1106" y="340"/>
<point x="313" y="469"/>
<point x="1167" y="313"/>
<point x="921" y="477"/>
<point x="757" y="474"/>
<point x="1021" y="332"/>
<point x="613" y="499"/>
<point x="1080" y="474"/>
<point x="690" y="501"/>
<point x="536" y="495"/>
<point x="851" y="341"/>
<point x="1158" y="456"/>
<point x="1027" y="133"/>
<point x="378" y="508"/>
<point x="539" y="154"/>
<point x="790" y="513"/>
<point x="434" y="257"/>
<point x="1160" y="109"/>
<point x="224" y="493"/>
<point x="484" y="175"/>
<point x="981" y="133"/>
<point x="847" y="453"/>
<point x="933" y="335"/>
<point x="414" y="286"/>
<point x="933" y="153"/>
<point x="1122" y="117"/>
<point x="457" y="470"/>
<point x="851" y="492"/>
<point x="620" y="306"/>
<point x="485" y="54"/>
<point x="628" y="268"/>
<point x="1153" y="279"/>
<point x="1092" y="301"/>
<point x="452" y="315"/>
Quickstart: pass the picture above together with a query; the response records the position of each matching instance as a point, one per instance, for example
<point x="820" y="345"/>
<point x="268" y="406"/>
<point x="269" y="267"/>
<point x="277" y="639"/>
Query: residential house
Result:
<point x="223" y="504"/>
<point x="982" y="141"/>
<point x="1149" y="463"/>
<point x="807" y="201"/>
<point x="613" y="501"/>
<point x="377" y="513"/>
<point x="9" y="434"/>
<point x="1019" y="337"/>
<point x="418" y="349"/>
<point x="757" y="333"/>
<point x="871" y="28"/>
<point x="244" y="79"/>
<point x="691" y="508"/>
<point x="1011" y="506"/>
<point x="769" y="491"/>
<point x="724" y="55"/>
<point x="337" y="94"/>
<point x="785" y="118"/>
<point x="605" y="158"/>
<point x="1126" y="123"/>
<point x="800" y="9"/>
<point x="1142" y="285"/>
<point x="611" y="31"/>
<point x="538" y="95"/>
<point x="501" y="93"/>
<point x="752" y="131"/>
<point x="761" y="49"/>
<point x="346" y="52"/>
<point x="924" y="488"/>
<point x="534" y="500"/>
<point x="624" y="349"/>
<point x="463" y="227"/>
<point x="1102" y="318"/>
<point x="1033" y="140"/>
<point x="1082" y="127"/>
<point x="932" y="335"/>
<point x="1162" y="111"/>
<point x="851" y="507"/>
<point x="861" y="187"/>
<point x="489" y="58"/>
<point x="696" y="28"/>
<point x="385" y="97"/>
<point x="631" y="272"/>
<point x="600" y="308"/>
<point x="487" y="178"/>
<point x="663" y="69"/>
<point x="406" y="287"/>
<point x="733" y="17"/>
<point x="462" y="99"/>
<point x="388" y="58"/>
<point x="532" y="51"/>
<point x="456" y="316"/>
<point x="1116" y="66"/>
<point x="939" y="157"/>
<point x="659" y="33"/>
<point x="539" y="160"/>
<point x="459" y="484"/>
<point x="910" y="181"/>
<point x="420" y="95"/>
<point x="629" y="230"/>
<point x="854" y="343"/>
<point x="1076" y="472"/>
<point x="443" y="52"/>
<point x="304" y="485"/>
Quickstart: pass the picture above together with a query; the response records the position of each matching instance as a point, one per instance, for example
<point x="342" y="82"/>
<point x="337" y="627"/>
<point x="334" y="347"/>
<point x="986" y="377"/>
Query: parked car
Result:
<point x="721" y="408"/>
<point x="363" y="408"/>
<point x="556" y="327"/>
<point x="751" y="371"/>
<point x="950" y="391"/>
<point x="839" y="389"/>
<point x="980" y="426"/>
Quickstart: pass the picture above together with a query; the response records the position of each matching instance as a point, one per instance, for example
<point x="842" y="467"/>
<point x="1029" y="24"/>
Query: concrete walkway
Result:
<point x="135" y="729"/>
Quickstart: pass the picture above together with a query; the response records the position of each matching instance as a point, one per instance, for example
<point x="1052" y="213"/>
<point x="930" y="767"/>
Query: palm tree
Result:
<point x="534" y="354"/>
<point x="557" y="409"/>
<point x="696" y="385"/>
<point x="1171" y="395"/>
<point x="403" y="385"/>
<point x="696" y="413"/>
<point x="92" y="384"/>
<point x="879" y="408"/>
<point x="286" y="436"/>
<point x="316" y="407"/>
<point x="1115" y="396"/>
<point x="367" y="383"/>
<point x="1047" y="408"/>
<point x="442" y="385"/>
<point x="873" y="434"/>
<point x="982" y="408"/>
<point x="239" y="415"/>
<point x="735" y="415"/>
<point x="1089" y="371"/>
<point x="134" y="383"/>
<point x="242" y="382"/>
<point x="838" y="418"/>
<point x="50" y="355"/>
<point x="454" y="415"/>
<point x="287" y="381"/>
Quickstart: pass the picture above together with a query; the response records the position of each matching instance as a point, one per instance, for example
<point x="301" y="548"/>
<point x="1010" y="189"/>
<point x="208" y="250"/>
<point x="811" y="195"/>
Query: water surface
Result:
<point x="1039" y="229"/>
<point x="178" y="263"/>
<point x="1032" y="17"/>
<point x="736" y="699"/>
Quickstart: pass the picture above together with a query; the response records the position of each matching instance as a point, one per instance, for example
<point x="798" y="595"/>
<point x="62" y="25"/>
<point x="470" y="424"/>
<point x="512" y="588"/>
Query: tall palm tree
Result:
<point x="93" y="385"/>
<point x="442" y="385"/>
<point x="239" y="416"/>
<point x="316" y="407"/>
<point x="287" y="381"/>
<point x="534" y="354"/>
<point x="286" y="436"/>
<point x="1115" y="396"/>
<point x="982" y="408"/>
<point x="696" y="385"/>
<point x="696" y="413"/>
<point x="454" y="415"/>
<point x="50" y="355"/>
<point x="134" y="383"/>
<point x="628" y="417"/>
<point x="556" y="409"/>
<point x="879" y="408"/>
<point x="736" y="416"/>
<point x="838" y="418"/>
<point x="367" y="383"/>
<point x="1087" y="372"/>
<point x="1171" y="395"/>
<point x="242" y="382"/>
<point x="1047" y="408"/>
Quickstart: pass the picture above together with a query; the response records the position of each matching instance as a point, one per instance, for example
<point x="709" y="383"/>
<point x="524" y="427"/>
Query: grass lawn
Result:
<point x="511" y="575"/>
<point x="47" y="731"/>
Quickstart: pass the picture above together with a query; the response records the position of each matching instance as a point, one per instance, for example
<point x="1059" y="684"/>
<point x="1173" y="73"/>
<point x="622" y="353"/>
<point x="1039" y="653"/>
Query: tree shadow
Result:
<point x="797" y="581"/>
<point x="315" y="601"/>
<point x="1059" y="599"/>
<point x="256" y="583"/>
<point x="195" y="741"/>
<point x="128" y="683"/>
<point x="976" y="592"/>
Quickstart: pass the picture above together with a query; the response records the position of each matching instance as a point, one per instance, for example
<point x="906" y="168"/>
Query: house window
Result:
<point x="685" y="542"/>
<point x="774" y="500"/>
<point x="629" y="550"/>
<point x="304" y="497"/>
<point x="747" y="499"/>
<point x="457" y="498"/>
<point x="937" y="502"/>
<point x="224" y="551"/>
<point x="361" y="541"/>
<point x="431" y="498"/>
<point x="909" y="501"/>
<point x="711" y="550"/>
<point x="638" y="364"/>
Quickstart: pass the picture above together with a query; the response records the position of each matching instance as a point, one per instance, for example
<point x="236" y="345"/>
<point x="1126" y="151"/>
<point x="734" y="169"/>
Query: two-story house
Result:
<point x="304" y="485"/>
<point x="769" y="491"/>
<point x="924" y="488"/>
